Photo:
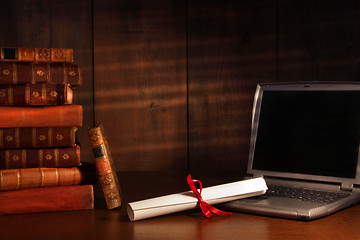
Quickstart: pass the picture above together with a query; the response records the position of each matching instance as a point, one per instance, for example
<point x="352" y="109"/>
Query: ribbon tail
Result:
<point x="217" y="211"/>
<point x="206" y="208"/>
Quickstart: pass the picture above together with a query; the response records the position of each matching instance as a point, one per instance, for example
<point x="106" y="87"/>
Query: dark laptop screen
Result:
<point x="309" y="132"/>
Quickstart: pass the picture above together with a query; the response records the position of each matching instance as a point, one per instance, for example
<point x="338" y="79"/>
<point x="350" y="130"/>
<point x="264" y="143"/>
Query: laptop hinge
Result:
<point x="347" y="186"/>
<point x="256" y="176"/>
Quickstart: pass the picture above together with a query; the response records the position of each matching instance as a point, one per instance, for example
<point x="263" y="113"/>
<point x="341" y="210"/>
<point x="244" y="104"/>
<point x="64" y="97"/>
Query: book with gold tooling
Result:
<point x="36" y="54"/>
<point x="105" y="167"/>
<point x="37" y="137"/>
<point x="39" y="157"/>
<point x="40" y="72"/>
<point x="23" y="178"/>
<point x="36" y="94"/>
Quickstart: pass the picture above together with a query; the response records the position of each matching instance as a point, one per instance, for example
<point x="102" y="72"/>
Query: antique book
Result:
<point x="36" y="94"/>
<point x="36" y="116"/>
<point x="36" y="54"/>
<point x="31" y="73"/>
<point x="37" y="137"/>
<point x="39" y="157"/>
<point x="48" y="199"/>
<point x="105" y="167"/>
<point x="23" y="178"/>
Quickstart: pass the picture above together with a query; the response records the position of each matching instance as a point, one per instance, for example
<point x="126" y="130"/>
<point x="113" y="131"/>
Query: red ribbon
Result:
<point x="205" y="207"/>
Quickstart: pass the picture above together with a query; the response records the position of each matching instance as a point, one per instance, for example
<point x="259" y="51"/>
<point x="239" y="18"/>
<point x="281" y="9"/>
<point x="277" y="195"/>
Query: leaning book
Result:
<point x="105" y="167"/>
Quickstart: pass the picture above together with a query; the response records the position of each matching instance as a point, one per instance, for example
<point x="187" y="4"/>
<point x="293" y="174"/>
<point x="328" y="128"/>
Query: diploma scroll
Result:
<point x="187" y="200"/>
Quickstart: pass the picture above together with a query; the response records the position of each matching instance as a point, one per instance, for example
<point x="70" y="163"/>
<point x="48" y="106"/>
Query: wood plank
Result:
<point x="140" y="82"/>
<point x="232" y="47"/>
<point x="319" y="41"/>
<point x="25" y="23"/>
<point x="71" y="27"/>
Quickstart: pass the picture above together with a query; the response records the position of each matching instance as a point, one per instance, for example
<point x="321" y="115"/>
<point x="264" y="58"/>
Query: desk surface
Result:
<point x="104" y="224"/>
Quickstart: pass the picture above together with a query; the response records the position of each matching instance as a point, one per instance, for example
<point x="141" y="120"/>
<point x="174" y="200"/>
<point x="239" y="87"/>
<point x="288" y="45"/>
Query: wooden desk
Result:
<point x="103" y="224"/>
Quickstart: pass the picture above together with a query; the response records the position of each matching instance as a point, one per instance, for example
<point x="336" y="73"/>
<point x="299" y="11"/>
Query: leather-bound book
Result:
<point x="37" y="116"/>
<point x="15" y="179"/>
<point x="37" y="137"/>
<point x="105" y="167"/>
<point x="36" y="94"/>
<point x="36" y="54"/>
<point x="31" y="73"/>
<point x="39" y="157"/>
<point x="49" y="199"/>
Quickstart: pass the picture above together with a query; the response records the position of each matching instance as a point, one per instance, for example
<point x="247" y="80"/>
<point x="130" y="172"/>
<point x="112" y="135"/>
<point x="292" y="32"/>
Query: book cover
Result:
<point x="49" y="199"/>
<point x="36" y="94"/>
<point x="37" y="116"/>
<point x="37" y="137"/>
<point x="31" y="73"/>
<point x="105" y="167"/>
<point x="36" y="54"/>
<point x="39" y="157"/>
<point x="15" y="179"/>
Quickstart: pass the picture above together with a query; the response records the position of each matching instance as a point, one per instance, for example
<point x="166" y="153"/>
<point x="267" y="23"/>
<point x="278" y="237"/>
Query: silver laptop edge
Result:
<point x="311" y="211"/>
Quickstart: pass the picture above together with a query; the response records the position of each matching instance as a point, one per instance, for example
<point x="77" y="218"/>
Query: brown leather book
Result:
<point x="31" y="73"/>
<point x="36" y="116"/>
<point x="36" y="94"/>
<point x="49" y="199"/>
<point x="36" y="54"/>
<point x="37" y="137"/>
<point x="15" y="179"/>
<point x="39" y="157"/>
<point x="105" y="167"/>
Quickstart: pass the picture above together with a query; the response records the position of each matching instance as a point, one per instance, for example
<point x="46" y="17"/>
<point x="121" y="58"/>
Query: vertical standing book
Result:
<point x="105" y="167"/>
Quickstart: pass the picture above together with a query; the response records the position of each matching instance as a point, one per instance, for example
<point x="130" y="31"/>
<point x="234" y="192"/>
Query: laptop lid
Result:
<point x="306" y="131"/>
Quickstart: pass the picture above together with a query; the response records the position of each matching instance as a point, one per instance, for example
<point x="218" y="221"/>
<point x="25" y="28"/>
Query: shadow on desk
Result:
<point x="114" y="224"/>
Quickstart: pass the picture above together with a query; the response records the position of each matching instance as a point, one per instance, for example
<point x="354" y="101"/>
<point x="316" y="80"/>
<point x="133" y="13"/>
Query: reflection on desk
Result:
<point x="115" y="224"/>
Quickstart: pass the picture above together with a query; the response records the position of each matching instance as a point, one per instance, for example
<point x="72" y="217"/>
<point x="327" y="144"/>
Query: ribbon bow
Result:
<point x="205" y="207"/>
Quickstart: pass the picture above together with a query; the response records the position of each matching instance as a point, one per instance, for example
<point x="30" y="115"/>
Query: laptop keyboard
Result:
<point x="305" y="194"/>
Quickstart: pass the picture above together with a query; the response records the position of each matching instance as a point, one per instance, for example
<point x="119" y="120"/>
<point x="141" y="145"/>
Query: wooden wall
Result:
<point x="173" y="81"/>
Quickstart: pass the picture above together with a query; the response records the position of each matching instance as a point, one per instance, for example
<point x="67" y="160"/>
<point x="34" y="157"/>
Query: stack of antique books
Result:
<point x="40" y="165"/>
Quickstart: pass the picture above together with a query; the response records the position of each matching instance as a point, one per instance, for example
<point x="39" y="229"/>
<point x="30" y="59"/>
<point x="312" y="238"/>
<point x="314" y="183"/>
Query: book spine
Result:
<point x="37" y="137"/>
<point x="39" y="157"/>
<point x="56" y="116"/>
<point x="37" y="54"/>
<point x="36" y="94"/>
<point x="105" y="167"/>
<point x="15" y="179"/>
<point x="50" y="199"/>
<point x="32" y="73"/>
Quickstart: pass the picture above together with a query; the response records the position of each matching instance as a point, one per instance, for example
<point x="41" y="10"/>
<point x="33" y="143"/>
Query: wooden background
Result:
<point x="173" y="81"/>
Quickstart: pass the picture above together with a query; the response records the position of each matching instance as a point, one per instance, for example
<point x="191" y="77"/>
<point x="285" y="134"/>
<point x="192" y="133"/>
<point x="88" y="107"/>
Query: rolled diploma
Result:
<point x="187" y="200"/>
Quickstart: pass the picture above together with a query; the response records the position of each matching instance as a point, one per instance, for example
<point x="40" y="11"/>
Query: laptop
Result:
<point x="305" y="143"/>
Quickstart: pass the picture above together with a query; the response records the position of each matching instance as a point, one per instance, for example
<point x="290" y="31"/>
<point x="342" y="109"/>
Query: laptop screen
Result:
<point x="311" y="131"/>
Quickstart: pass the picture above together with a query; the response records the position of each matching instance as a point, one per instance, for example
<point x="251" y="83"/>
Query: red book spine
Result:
<point x="35" y="94"/>
<point x="32" y="73"/>
<point x="59" y="116"/>
<point x="37" y="137"/>
<point x="40" y="157"/>
<point x="50" y="199"/>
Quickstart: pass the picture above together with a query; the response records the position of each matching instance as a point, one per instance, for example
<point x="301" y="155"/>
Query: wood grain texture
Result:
<point x="71" y="26"/>
<point x="25" y="23"/>
<point x="190" y="225"/>
<point x="141" y="58"/>
<point x="319" y="41"/>
<point x="231" y="49"/>
<point x="140" y="87"/>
